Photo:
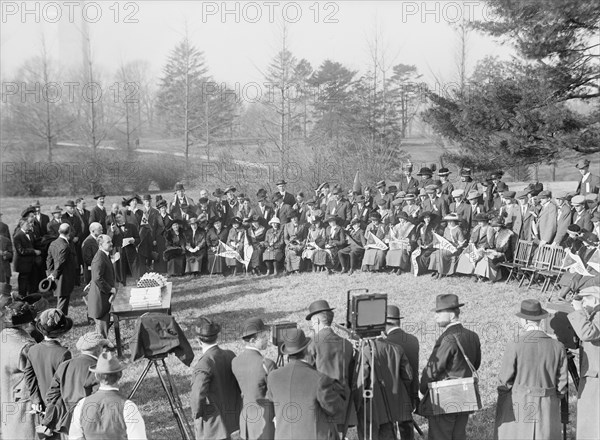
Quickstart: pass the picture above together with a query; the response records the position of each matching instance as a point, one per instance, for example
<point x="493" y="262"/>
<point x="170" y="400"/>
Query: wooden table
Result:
<point x="122" y="310"/>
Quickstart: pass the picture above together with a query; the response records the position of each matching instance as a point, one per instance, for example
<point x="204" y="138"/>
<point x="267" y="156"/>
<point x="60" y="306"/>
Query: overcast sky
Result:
<point x="239" y="45"/>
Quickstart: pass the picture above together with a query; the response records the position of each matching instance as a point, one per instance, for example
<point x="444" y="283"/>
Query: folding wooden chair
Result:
<point x="541" y="262"/>
<point x="556" y="271"/>
<point x="520" y="260"/>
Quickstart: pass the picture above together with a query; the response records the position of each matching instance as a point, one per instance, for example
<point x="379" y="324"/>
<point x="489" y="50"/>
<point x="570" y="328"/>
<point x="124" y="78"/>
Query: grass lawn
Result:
<point x="489" y="311"/>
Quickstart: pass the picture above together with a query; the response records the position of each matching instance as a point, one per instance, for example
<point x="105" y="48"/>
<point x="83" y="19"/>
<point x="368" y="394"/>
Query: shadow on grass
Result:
<point x="200" y="300"/>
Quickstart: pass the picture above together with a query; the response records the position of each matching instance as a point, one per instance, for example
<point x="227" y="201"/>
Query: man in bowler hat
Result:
<point x="251" y="369"/>
<point x="215" y="397"/>
<point x="447" y="361"/>
<point x="410" y="345"/>
<point x="533" y="380"/>
<point x="305" y="399"/>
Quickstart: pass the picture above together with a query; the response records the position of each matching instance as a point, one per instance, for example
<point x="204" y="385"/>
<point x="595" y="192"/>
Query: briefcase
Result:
<point x="456" y="395"/>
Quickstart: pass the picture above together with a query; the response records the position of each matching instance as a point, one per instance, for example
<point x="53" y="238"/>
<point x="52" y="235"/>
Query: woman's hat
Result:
<point x="295" y="341"/>
<point x="446" y="301"/>
<point x="317" y="214"/>
<point x="192" y="221"/>
<point x="431" y="189"/>
<point x="410" y="196"/>
<point x="403" y="215"/>
<point x="176" y="221"/>
<point x="17" y="313"/>
<point x="473" y="194"/>
<point x="498" y="222"/>
<point x="452" y="217"/>
<point x="429" y="214"/>
<point x="574" y="230"/>
<point x="375" y="216"/>
<point x="425" y="172"/>
<point x="147" y="197"/>
<point x="107" y="363"/>
<point x="53" y="323"/>
<point x="318" y="306"/>
<point x="218" y="193"/>
<point x="275" y="220"/>
<point x="444" y="172"/>
<point x="161" y="203"/>
<point x="332" y="218"/>
<point x="230" y="189"/>
<point x="465" y="172"/>
<point x="236" y="220"/>
<point x="481" y="217"/>
<point x="458" y="193"/>
<point x="531" y="309"/>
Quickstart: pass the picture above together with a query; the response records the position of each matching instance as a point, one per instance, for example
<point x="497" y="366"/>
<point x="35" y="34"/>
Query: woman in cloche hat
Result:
<point x="174" y="254"/>
<point x="273" y="255"/>
<point x="443" y="261"/>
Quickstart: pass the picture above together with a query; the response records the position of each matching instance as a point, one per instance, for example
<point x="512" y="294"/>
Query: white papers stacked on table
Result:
<point x="145" y="297"/>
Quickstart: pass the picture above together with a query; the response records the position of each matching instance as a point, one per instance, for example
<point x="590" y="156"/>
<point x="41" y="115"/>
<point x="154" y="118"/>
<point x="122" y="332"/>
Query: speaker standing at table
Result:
<point x="102" y="288"/>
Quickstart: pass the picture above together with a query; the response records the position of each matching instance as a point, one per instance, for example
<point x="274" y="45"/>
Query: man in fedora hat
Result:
<point x="383" y="194"/>
<point x="98" y="212"/>
<point x="44" y="358"/>
<point x="315" y="397"/>
<point x="106" y="413"/>
<point x="585" y="320"/>
<point x="102" y="285"/>
<point x="288" y="198"/>
<point x="533" y="379"/>
<point x="251" y="369"/>
<point x="215" y="396"/>
<point x="410" y="345"/>
<point x="447" y="362"/>
<point x="72" y="381"/>
<point x="340" y="207"/>
<point x="589" y="183"/>
<point x="407" y="182"/>
<point x="63" y="267"/>
<point x="182" y="206"/>
<point x="332" y="354"/>
<point x="40" y="222"/>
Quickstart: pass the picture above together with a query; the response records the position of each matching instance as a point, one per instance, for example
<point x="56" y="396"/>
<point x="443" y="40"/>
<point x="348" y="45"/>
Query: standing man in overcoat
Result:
<point x="447" y="361"/>
<point x="533" y="380"/>
<point x="62" y="267"/>
<point x="251" y="369"/>
<point x="215" y="397"/>
<point x="102" y="285"/>
<point x="586" y="323"/>
<point x="305" y="399"/>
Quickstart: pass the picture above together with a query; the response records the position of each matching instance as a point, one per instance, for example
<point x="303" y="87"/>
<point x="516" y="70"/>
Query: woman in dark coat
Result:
<point x="146" y="246"/>
<point x="256" y="236"/>
<point x="273" y="255"/>
<point x="175" y="252"/>
<point x="162" y="225"/>
<point x="195" y="248"/>
<point x="215" y="234"/>
<point x="235" y="240"/>
<point x="422" y="254"/>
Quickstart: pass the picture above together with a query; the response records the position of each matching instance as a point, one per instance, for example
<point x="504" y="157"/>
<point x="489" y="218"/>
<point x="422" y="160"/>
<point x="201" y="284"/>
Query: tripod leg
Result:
<point x="139" y="381"/>
<point x="177" y="399"/>
<point x="177" y="410"/>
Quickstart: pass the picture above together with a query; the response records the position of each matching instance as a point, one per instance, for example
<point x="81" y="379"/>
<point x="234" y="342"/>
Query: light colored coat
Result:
<point x="533" y="378"/>
<point x="16" y="423"/>
<point x="588" y="330"/>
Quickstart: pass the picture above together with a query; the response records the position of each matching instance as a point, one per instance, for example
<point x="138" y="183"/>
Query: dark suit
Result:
<point x="387" y="197"/>
<point x="288" y="198"/>
<point x="25" y="262"/>
<point x="334" y="357"/>
<point x="361" y="213"/>
<point x="410" y="344"/>
<point x="128" y="263"/>
<point x="215" y="397"/>
<point x="41" y="225"/>
<point x="6" y="258"/>
<point x="439" y="206"/>
<point x="43" y="360"/>
<point x="102" y="281"/>
<point x="312" y="397"/>
<point x="98" y="215"/>
<point x="410" y="185"/>
<point x="447" y="361"/>
<point x="342" y="209"/>
<point x="89" y="248"/>
<point x="391" y="399"/>
<point x="256" y="419"/>
<point x="283" y="213"/>
<point x="590" y="186"/>
<point x="71" y="382"/>
<point x="565" y="216"/>
<point x="4" y="230"/>
<point x="583" y="220"/>
<point x="351" y="255"/>
<point x="62" y="264"/>
<point x="264" y="215"/>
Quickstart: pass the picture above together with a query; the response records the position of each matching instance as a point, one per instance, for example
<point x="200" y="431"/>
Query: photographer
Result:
<point x="586" y="323"/>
